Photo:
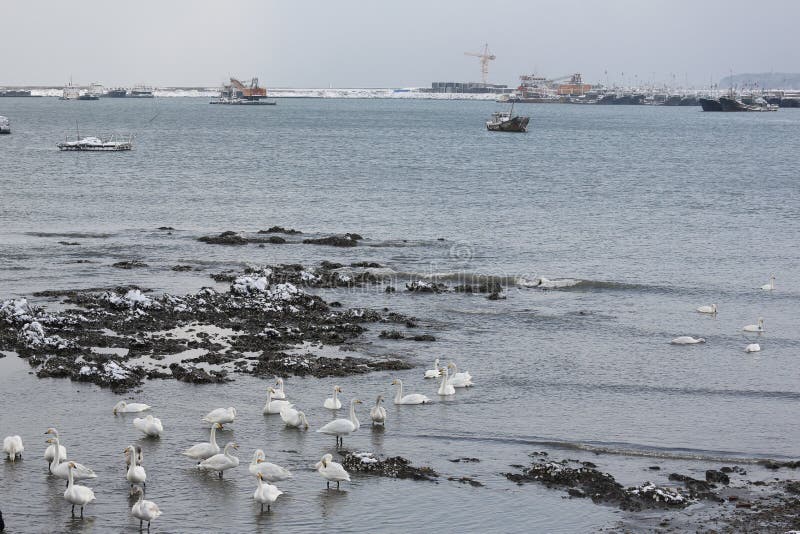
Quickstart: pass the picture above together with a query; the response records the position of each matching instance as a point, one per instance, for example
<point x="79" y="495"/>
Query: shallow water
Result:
<point x="659" y="209"/>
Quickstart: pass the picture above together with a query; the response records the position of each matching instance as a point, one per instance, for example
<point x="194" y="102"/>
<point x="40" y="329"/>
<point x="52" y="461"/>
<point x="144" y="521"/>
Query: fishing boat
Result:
<point x="710" y="104"/>
<point x="141" y="91"/>
<point x="5" y="125"/>
<point x="506" y="121"/>
<point x="112" y="143"/>
<point x="70" y="92"/>
<point x="730" y="103"/>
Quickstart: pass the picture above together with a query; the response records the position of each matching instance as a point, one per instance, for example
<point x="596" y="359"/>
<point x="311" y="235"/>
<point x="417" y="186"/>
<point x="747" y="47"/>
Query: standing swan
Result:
<point x="139" y="458"/>
<point x="201" y="451"/>
<point x="221" y="416"/>
<point x="136" y="474"/>
<point x="265" y="493"/>
<point x="333" y="403"/>
<point x="411" y="398"/>
<point x="271" y="472"/>
<point x="50" y="451"/>
<point x="221" y="462"/>
<point x="332" y="471"/>
<point x="445" y="386"/>
<point x="279" y="394"/>
<point x="144" y="510"/>
<point x="12" y="446"/>
<point x="133" y="407"/>
<point x="150" y="426"/>
<point x="711" y="310"/>
<point x="755" y="327"/>
<point x="76" y="494"/>
<point x="771" y="285"/>
<point x="342" y="427"/>
<point x="378" y="412"/>
<point x="294" y="418"/>
<point x="435" y="372"/>
<point x="274" y="406"/>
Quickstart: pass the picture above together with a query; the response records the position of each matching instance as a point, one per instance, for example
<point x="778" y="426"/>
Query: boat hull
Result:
<point x="710" y="104"/>
<point x="731" y="104"/>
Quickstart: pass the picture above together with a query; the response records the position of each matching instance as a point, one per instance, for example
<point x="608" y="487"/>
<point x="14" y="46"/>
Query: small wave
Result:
<point x="86" y="235"/>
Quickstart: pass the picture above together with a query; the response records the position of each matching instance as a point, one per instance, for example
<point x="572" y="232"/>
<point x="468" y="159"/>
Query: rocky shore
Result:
<point x="118" y="337"/>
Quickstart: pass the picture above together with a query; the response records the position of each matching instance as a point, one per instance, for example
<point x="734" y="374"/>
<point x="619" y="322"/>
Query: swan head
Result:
<point x="270" y="390"/>
<point x="356" y="401"/>
<point x="379" y="400"/>
<point x="216" y="425"/>
<point x="259" y="454"/>
<point x="760" y="320"/>
<point x="278" y="381"/>
<point x="118" y="407"/>
<point x="52" y="431"/>
<point x="259" y="476"/>
<point x="396" y="382"/>
<point x="451" y="365"/>
<point x="302" y="417"/>
<point x="71" y="465"/>
<point x="436" y="362"/>
<point x="337" y="389"/>
<point x="50" y="440"/>
<point x="232" y="445"/>
<point x="328" y="458"/>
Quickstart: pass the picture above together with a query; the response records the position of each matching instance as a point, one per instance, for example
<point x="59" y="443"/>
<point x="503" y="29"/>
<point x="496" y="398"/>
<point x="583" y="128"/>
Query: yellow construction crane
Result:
<point x="485" y="58"/>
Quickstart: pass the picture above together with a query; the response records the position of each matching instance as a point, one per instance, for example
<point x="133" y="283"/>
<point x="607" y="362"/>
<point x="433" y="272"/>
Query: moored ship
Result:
<point x="710" y="104"/>
<point x="237" y="93"/>
<point x="729" y="103"/>
<point x="506" y="121"/>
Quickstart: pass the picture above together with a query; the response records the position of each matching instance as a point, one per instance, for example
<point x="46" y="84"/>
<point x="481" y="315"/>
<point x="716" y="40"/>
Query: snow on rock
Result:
<point x="134" y="298"/>
<point x="366" y="457"/>
<point x="248" y="285"/>
<point x="32" y="334"/>
<point x="650" y="491"/>
<point x="286" y="292"/>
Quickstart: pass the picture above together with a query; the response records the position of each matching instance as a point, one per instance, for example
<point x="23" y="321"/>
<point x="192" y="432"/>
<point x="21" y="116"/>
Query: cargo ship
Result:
<point x="237" y="93"/>
<point x="16" y="93"/>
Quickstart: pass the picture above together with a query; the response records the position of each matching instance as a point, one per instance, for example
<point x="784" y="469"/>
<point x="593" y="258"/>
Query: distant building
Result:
<point x="468" y="87"/>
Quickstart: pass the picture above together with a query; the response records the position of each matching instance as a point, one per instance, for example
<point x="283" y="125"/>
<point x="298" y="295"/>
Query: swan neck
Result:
<point x="213" y="438"/>
<point x="335" y="395"/>
<point x="70" y="477"/>
<point x="353" y="412"/>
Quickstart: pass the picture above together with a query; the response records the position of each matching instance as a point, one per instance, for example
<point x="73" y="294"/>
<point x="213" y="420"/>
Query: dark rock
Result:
<point x="366" y="264"/>
<point x="333" y="241"/>
<point x="496" y="296"/>
<point x="423" y="337"/>
<point x="227" y="276"/>
<point x="133" y="264"/>
<point x="395" y="467"/>
<point x="390" y="289"/>
<point x="70" y="243"/>
<point x="225" y="238"/>
<point x="165" y="228"/>
<point x="280" y="230"/>
<point x="421" y="286"/>
<point x="330" y="265"/>
<point x="196" y="375"/>
<point x="335" y="304"/>
<point x="354" y="237"/>
<point x="464" y="459"/>
<point x="654" y="468"/>
<point x="276" y="240"/>
<point x="717" y="477"/>
<point x="772" y="464"/>
<point x="793" y="486"/>
<point x="182" y="268"/>
<point x="391" y="334"/>
<point x="575" y="492"/>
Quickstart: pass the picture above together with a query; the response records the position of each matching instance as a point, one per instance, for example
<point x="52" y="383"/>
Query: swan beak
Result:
<point x="258" y="461"/>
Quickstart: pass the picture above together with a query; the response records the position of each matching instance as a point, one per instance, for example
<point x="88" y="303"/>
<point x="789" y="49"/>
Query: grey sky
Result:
<point x="375" y="43"/>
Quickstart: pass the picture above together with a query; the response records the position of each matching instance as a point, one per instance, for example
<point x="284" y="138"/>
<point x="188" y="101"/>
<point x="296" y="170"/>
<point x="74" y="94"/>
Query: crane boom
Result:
<point x="485" y="57"/>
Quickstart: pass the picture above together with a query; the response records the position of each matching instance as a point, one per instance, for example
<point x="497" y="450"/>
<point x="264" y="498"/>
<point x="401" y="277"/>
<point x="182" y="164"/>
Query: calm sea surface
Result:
<point x="645" y="212"/>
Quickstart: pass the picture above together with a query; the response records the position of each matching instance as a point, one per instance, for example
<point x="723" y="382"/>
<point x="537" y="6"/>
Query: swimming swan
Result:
<point x="50" y="451"/>
<point x="60" y="468"/>
<point x="293" y="418"/>
<point x="220" y="415"/>
<point x="342" y="427"/>
<point x="279" y="394"/>
<point x="411" y="398"/>
<point x="711" y="310"/>
<point x="271" y="472"/>
<point x="132" y="407"/>
<point x="333" y="403"/>
<point x="755" y="327"/>
<point x="136" y="474"/>
<point x="753" y="347"/>
<point x="459" y="380"/>
<point x="12" y="446"/>
<point x="433" y="373"/>
<point x="201" y="451"/>
<point x="149" y="425"/>
<point x="378" y="412"/>
<point x="332" y="471"/>
<point x="687" y="340"/>
<point x="274" y="406"/>
<point x="445" y="386"/>
<point x="771" y="285"/>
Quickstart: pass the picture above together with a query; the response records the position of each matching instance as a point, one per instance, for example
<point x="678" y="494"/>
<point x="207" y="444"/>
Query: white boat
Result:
<point x="5" y="125"/>
<point x="112" y="143"/>
<point x="70" y="92"/>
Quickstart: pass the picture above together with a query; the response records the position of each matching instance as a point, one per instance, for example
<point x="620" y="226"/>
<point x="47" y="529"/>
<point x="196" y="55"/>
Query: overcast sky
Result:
<point x="377" y="43"/>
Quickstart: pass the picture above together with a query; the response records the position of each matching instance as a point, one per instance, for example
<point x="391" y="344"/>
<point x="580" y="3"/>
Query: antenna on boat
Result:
<point x="77" y="130"/>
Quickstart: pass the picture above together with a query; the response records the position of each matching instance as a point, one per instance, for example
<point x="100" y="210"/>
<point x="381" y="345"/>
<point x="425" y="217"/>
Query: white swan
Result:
<point x="411" y="398"/>
<point x="221" y="462"/>
<point x="459" y="380"/>
<point x="445" y="386"/>
<point x="342" y="427"/>
<point x="135" y="474"/>
<point x="274" y="406"/>
<point x="271" y="472"/>
<point x="294" y="418"/>
<point x="771" y="285"/>
<point x="60" y="468"/>
<point x="687" y="340"/>
<point x="265" y="493"/>
<point x="753" y="347"/>
<point x="220" y="415"/>
<point x="149" y="425"/>
<point x="12" y="446"/>
<point x="201" y="451"/>
<point x="333" y="403"/>
<point x="433" y="373"/>
<point x="711" y="310"/>
<point x="755" y="327"/>
<point x="132" y="407"/>
<point x="50" y="451"/>
<point x="144" y="510"/>
<point x="279" y="394"/>
<point x="138" y="457"/>
<point x="378" y="412"/>
<point x="332" y="471"/>
<point x="76" y="494"/>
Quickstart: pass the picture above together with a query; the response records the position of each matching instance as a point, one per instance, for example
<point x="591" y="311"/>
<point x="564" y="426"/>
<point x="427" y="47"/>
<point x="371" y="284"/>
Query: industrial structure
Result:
<point x="485" y="57"/>
<point x="238" y="93"/>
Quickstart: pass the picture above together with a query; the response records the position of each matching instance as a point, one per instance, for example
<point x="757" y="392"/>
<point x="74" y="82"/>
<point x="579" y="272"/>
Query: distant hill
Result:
<point x="764" y="80"/>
